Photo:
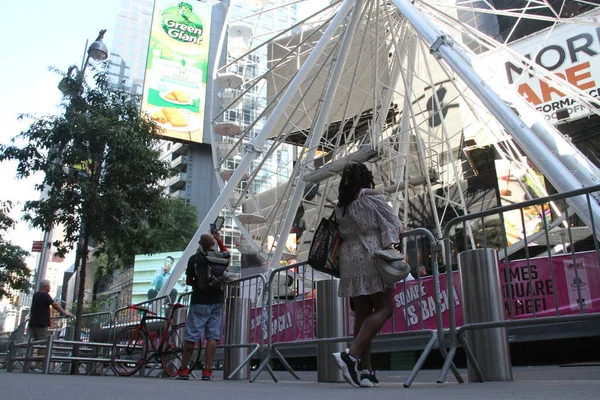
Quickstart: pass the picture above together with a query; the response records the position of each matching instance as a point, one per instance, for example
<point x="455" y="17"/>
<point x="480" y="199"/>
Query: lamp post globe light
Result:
<point x="98" y="50"/>
<point x="70" y="85"/>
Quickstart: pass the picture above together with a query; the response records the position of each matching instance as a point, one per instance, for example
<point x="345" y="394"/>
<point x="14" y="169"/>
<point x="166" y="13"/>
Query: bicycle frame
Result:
<point x="152" y="346"/>
<point x="157" y="350"/>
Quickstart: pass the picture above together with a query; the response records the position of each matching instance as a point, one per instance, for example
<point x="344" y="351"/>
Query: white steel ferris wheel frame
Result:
<point x="566" y="174"/>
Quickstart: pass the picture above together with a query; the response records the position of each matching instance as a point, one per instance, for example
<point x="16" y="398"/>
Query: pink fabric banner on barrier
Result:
<point x="294" y="320"/>
<point x="577" y="279"/>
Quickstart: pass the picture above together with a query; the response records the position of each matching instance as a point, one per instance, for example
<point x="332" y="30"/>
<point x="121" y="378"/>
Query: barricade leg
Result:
<point x="413" y="374"/>
<point x="48" y="355"/>
<point x="451" y="366"/>
<point x="237" y="331"/>
<point x="10" y="356"/>
<point x="244" y="362"/>
<point x="482" y="302"/>
<point x="265" y="365"/>
<point x="285" y="363"/>
<point x="331" y="311"/>
<point x="28" y="355"/>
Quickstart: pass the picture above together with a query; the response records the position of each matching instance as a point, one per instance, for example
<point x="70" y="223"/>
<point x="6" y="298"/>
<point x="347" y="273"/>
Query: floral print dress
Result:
<point x="380" y="227"/>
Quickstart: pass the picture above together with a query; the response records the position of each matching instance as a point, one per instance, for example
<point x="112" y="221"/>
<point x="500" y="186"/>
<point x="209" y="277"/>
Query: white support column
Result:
<point x="317" y="131"/>
<point x="404" y="137"/>
<point x="560" y="176"/>
<point x="254" y="149"/>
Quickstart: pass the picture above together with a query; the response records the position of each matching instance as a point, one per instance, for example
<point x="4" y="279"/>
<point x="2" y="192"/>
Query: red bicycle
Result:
<point x="131" y="346"/>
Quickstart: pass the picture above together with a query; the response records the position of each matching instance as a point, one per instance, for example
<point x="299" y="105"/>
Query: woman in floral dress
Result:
<point x="361" y="210"/>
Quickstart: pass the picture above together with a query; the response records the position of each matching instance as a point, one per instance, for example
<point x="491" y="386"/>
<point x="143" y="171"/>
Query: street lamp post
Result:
<point x="73" y="86"/>
<point x="70" y="86"/>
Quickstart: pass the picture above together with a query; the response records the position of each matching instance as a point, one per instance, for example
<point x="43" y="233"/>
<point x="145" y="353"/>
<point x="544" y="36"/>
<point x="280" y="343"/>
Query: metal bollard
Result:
<point x="330" y="324"/>
<point x="482" y="302"/>
<point x="237" y="331"/>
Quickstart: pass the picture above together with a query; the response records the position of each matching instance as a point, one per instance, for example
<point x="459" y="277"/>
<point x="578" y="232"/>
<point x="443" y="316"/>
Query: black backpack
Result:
<point x="210" y="270"/>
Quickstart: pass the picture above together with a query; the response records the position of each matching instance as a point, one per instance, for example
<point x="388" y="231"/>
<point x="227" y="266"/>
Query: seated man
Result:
<point x="159" y="280"/>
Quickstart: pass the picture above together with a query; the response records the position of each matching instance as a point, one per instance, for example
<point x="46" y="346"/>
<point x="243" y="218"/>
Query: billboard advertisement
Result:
<point x="151" y="271"/>
<point x="177" y="68"/>
<point x="570" y="51"/>
<point x="517" y="184"/>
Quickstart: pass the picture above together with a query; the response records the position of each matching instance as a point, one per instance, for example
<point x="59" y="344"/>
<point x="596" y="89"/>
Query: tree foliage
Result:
<point x="100" y="163"/>
<point x="102" y="169"/>
<point x="14" y="274"/>
<point x="170" y="227"/>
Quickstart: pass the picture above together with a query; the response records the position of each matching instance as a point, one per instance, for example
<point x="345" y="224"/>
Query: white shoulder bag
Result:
<point x="390" y="262"/>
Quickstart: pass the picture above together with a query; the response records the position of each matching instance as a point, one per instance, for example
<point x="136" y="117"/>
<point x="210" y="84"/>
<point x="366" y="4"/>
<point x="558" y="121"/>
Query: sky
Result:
<point x="35" y="35"/>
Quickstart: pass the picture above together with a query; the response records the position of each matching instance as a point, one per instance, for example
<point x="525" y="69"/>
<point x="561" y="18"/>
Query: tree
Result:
<point x="102" y="169"/>
<point x="14" y="274"/>
<point x="169" y="228"/>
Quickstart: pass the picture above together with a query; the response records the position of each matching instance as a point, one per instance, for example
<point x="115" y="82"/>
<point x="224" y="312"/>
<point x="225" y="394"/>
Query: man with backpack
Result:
<point x="207" y="274"/>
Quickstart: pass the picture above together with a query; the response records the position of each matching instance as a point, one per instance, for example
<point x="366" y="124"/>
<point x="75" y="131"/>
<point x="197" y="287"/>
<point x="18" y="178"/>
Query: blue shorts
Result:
<point x="204" y="317"/>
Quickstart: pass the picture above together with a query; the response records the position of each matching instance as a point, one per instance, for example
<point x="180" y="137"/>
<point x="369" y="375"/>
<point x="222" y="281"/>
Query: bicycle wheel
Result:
<point x="173" y="351"/>
<point x="129" y="351"/>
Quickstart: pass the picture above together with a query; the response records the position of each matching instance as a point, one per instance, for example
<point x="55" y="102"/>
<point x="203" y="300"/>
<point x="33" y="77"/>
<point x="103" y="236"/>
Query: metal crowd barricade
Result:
<point x="251" y="288"/>
<point x="60" y="345"/>
<point x="126" y="316"/>
<point x="62" y="327"/>
<point x="287" y="323"/>
<point x="529" y="299"/>
<point x="248" y="289"/>
<point x="98" y="333"/>
<point x="54" y="353"/>
<point x="185" y="298"/>
<point x="4" y="344"/>
<point x="292" y="323"/>
<point x="16" y="336"/>
<point x="95" y="323"/>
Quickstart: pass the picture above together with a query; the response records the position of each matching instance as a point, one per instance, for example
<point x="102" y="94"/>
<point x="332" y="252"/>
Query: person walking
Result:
<point x="363" y="211"/>
<point x="39" y="315"/>
<point x="206" y="307"/>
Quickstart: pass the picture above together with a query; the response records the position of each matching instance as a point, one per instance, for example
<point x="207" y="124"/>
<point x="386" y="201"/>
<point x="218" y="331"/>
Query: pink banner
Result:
<point x="576" y="281"/>
<point x="576" y="278"/>
<point x="292" y="320"/>
<point x="413" y="312"/>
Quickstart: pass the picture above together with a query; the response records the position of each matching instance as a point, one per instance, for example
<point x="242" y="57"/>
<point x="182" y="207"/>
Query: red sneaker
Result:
<point x="206" y="375"/>
<point x="183" y="374"/>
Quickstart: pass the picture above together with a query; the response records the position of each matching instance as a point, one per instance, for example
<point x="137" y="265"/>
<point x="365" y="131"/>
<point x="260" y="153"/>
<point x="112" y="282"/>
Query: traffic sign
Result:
<point x="36" y="247"/>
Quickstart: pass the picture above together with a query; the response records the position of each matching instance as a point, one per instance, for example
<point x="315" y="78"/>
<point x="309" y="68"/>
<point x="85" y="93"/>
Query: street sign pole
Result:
<point x="43" y="262"/>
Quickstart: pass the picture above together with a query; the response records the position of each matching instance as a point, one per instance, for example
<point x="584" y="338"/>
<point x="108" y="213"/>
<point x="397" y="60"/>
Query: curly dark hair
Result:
<point x="354" y="178"/>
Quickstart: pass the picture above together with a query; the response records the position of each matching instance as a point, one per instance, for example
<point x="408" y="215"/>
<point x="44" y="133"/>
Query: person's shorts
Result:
<point x="205" y="318"/>
<point x="38" y="333"/>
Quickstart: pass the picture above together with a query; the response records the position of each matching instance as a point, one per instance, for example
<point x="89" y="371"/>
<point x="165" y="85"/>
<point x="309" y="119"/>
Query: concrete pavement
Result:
<point x="580" y="383"/>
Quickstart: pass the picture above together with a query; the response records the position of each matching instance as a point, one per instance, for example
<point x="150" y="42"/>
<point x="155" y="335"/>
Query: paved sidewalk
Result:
<point x="580" y="383"/>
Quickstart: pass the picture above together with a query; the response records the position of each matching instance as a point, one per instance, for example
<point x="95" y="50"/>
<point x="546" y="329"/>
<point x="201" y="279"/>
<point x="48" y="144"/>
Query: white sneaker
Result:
<point x="348" y="367"/>
<point x="365" y="380"/>
<point x="368" y="379"/>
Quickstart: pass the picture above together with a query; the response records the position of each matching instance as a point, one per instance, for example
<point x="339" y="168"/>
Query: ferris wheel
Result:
<point x="426" y="93"/>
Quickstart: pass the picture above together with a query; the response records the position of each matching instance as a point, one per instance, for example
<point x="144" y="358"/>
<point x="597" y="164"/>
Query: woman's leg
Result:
<point x="383" y="308"/>
<point x="363" y="308"/>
